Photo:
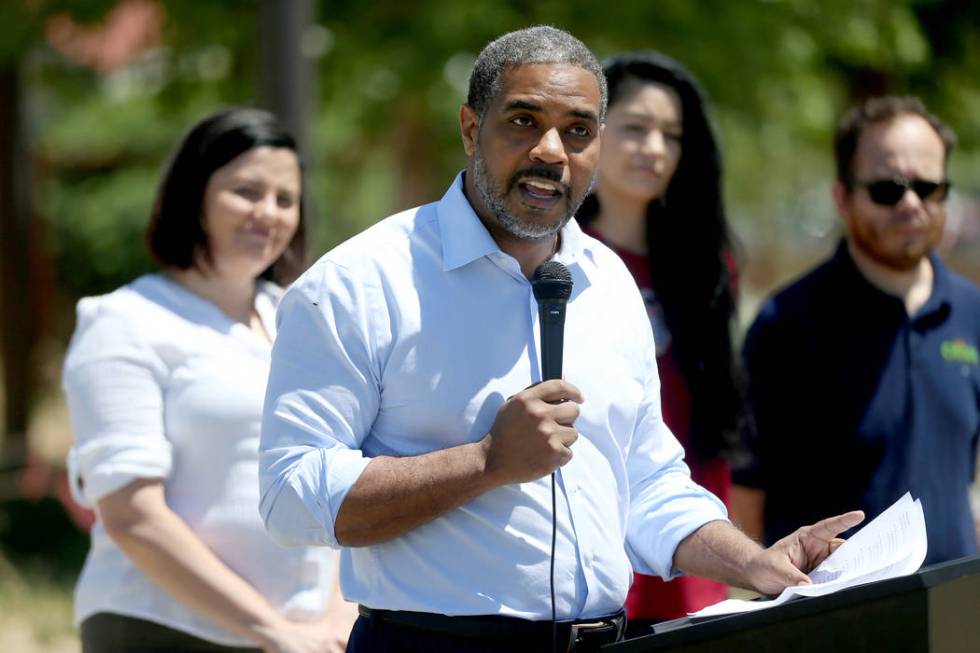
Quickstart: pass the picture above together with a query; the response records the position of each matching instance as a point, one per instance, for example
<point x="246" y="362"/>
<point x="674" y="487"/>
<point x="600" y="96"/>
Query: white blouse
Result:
<point x="162" y="384"/>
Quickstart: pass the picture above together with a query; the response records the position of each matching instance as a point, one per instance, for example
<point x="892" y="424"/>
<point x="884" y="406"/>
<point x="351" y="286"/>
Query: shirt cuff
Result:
<point x="100" y="467"/>
<point x="302" y="505"/>
<point x="655" y="533"/>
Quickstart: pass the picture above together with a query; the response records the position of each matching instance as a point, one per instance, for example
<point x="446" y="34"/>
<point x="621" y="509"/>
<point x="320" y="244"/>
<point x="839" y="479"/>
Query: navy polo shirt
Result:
<point x="856" y="402"/>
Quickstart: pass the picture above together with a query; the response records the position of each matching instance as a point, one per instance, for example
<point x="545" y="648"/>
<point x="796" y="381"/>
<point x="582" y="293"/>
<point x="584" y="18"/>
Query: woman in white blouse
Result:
<point x="165" y="379"/>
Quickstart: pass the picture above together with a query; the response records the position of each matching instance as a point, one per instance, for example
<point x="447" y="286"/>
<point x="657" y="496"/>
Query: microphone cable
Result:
<point x="554" y="533"/>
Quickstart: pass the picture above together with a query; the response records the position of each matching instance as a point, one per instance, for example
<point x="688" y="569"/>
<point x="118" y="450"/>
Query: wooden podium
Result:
<point x="936" y="609"/>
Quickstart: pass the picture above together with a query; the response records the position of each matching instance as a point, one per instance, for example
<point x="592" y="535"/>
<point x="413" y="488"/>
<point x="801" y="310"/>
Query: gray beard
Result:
<point x="492" y="197"/>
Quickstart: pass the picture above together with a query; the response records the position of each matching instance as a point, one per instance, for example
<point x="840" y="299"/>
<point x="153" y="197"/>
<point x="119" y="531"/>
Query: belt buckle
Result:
<point x="580" y="633"/>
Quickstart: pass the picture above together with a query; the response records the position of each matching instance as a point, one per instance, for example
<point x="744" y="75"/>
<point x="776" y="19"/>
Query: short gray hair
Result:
<point x="538" y="44"/>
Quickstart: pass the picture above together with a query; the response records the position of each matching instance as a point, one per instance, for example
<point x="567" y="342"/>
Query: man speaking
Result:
<point x="405" y="420"/>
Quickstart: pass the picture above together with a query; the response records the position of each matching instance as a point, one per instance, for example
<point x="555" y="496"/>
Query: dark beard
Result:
<point x="492" y="197"/>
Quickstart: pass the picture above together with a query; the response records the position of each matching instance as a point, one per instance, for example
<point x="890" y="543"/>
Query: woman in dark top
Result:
<point x="658" y="204"/>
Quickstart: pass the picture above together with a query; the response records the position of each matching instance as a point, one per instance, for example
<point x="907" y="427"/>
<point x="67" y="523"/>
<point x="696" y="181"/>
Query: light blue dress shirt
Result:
<point x="407" y="339"/>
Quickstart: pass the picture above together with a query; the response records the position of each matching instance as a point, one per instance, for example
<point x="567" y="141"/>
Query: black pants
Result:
<point x="114" y="633"/>
<point x="371" y="635"/>
<point x="379" y="637"/>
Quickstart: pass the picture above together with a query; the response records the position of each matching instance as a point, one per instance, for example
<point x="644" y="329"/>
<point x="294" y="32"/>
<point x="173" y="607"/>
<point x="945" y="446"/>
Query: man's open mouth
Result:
<point x="540" y="190"/>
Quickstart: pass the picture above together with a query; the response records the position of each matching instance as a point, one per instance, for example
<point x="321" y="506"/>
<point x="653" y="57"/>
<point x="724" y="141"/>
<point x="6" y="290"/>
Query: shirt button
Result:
<point x="573" y="488"/>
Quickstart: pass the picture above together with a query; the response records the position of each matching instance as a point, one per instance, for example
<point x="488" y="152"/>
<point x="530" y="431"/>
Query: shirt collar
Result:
<point x="465" y="238"/>
<point x="938" y="302"/>
<point x="573" y="243"/>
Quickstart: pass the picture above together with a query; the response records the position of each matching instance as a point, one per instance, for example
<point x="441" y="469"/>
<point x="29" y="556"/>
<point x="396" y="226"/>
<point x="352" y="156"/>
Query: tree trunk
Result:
<point x="286" y="77"/>
<point x="17" y="317"/>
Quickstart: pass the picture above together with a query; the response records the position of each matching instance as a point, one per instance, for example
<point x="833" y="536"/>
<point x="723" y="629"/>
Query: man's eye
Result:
<point x="581" y="131"/>
<point x="522" y="121"/>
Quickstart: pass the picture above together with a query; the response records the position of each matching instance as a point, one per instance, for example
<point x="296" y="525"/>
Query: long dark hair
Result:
<point x="176" y="231"/>
<point x="690" y="253"/>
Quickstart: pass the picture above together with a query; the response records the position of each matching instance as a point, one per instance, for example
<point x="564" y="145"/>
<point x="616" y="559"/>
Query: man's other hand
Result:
<point x="788" y="561"/>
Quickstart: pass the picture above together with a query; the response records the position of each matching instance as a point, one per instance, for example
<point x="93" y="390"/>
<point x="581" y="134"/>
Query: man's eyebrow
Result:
<point x="522" y="104"/>
<point x="525" y="105"/>
<point x="585" y="114"/>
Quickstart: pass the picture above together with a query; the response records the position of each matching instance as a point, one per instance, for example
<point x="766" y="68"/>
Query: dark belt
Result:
<point x="580" y="636"/>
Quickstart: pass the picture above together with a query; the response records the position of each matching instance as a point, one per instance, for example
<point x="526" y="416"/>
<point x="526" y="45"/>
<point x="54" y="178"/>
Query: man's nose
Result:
<point x="910" y="201"/>
<point x="550" y="149"/>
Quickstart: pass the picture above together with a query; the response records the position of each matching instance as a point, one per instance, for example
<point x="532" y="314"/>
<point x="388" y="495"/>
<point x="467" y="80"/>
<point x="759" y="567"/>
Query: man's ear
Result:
<point x="469" y="128"/>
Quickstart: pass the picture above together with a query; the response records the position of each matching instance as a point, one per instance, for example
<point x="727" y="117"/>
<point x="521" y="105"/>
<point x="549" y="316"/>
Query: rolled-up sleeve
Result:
<point x="665" y="504"/>
<point x="322" y="398"/>
<point x="113" y="386"/>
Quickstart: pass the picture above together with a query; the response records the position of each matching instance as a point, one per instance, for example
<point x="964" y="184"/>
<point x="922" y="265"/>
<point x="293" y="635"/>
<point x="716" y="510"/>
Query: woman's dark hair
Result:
<point x="690" y="253"/>
<point x="176" y="232"/>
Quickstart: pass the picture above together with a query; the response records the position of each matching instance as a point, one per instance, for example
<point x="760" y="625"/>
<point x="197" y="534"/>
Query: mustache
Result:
<point x="541" y="172"/>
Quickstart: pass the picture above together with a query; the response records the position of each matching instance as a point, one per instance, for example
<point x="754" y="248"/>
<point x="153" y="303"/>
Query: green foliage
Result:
<point x="99" y="221"/>
<point x="391" y="77"/>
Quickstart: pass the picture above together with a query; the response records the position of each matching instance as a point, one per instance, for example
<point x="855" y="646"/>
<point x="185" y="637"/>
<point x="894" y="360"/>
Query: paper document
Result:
<point x="893" y="544"/>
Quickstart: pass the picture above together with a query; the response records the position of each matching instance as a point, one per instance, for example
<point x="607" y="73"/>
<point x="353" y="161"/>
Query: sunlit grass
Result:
<point x="35" y="611"/>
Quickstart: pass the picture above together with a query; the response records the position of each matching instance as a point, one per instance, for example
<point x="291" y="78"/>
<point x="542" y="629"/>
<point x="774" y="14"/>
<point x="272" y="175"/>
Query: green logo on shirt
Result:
<point x="959" y="351"/>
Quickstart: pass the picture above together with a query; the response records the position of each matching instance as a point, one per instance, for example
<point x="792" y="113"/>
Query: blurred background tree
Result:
<point x="390" y="79"/>
<point x="103" y="89"/>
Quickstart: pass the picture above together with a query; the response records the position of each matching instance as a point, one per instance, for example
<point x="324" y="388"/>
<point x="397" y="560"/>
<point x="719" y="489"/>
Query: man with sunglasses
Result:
<point x="865" y="370"/>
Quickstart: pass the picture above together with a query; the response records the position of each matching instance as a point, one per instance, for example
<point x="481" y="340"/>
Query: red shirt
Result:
<point x="650" y="597"/>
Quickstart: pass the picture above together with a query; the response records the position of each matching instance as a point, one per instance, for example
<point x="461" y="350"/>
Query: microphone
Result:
<point x="552" y="286"/>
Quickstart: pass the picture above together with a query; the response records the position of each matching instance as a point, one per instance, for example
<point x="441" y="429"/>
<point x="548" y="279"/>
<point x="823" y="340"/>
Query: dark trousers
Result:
<point x="375" y="635"/>
<point x="379" y="637"/>
<point x="114" y="633"/>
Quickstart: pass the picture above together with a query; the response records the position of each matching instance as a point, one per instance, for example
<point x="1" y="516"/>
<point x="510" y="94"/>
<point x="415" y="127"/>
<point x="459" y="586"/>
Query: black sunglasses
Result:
<point x="888" y="192"/>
